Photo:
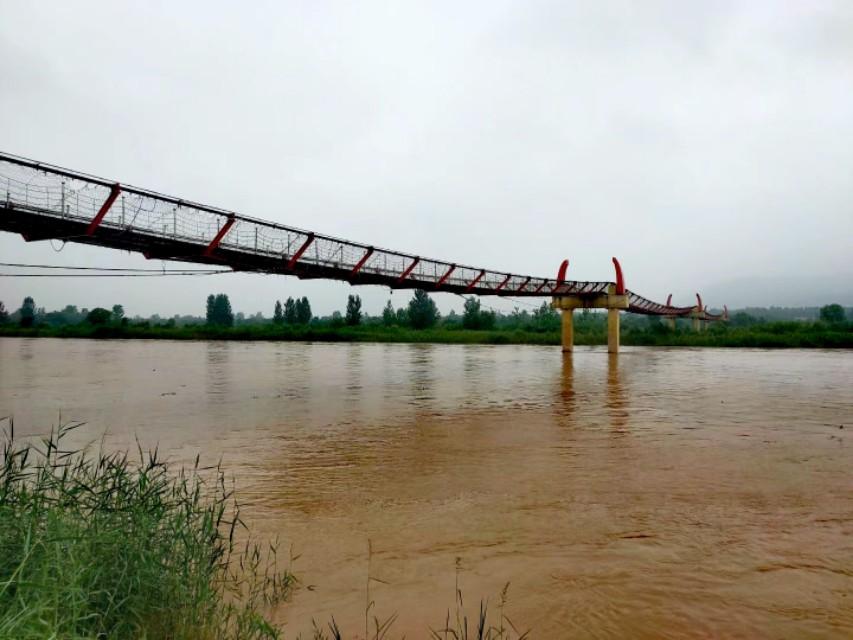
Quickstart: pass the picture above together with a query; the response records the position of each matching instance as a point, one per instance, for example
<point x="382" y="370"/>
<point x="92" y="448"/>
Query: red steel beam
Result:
<point x="361" y="262"/>
<point x="474" y="282"/>
<point x="503" y="284"/>
<point x="408" y="270"/>
<point x="115" y="190"/>
<point x="292" y="262"/>
<point x="220" y="234"/>
<point x="540" y="287"/>
<point x="521" y="288"/>
<point x="445" y="276"/>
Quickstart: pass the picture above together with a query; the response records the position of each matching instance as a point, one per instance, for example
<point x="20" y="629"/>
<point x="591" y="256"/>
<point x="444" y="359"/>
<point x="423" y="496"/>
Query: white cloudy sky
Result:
<point x="708" y="145"/>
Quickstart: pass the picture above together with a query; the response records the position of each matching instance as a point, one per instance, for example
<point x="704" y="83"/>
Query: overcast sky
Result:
<point x="708" y="145"/>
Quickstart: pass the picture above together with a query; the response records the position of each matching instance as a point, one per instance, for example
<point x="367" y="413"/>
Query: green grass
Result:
<point x="635" y="332"/>
<point x="320" y="333"/>
<point x="102" y="546"/>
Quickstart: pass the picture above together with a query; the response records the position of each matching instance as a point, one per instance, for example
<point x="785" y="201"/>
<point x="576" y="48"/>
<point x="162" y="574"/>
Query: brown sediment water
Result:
<point x="659" y="493"/>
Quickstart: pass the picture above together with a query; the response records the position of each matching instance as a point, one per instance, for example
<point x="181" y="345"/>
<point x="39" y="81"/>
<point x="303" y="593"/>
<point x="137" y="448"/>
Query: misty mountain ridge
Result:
<point x="778" y="291"/>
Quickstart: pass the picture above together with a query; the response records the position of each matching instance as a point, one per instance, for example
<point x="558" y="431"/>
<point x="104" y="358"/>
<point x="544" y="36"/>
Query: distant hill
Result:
<point x="781" y="292"/>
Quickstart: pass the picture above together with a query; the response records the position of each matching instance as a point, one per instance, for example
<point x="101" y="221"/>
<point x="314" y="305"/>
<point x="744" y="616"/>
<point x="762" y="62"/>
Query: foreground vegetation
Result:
<point x="102" y="546"/>
<point x="420" y="321"/>
<point x="97" y="546"/>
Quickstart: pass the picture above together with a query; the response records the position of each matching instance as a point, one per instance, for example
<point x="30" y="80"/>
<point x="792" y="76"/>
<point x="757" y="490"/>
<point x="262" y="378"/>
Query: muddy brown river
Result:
<point x="663" y="493"/>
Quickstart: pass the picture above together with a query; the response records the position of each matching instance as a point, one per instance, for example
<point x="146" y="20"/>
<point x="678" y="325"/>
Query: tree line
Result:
<point x="420" y="312"/>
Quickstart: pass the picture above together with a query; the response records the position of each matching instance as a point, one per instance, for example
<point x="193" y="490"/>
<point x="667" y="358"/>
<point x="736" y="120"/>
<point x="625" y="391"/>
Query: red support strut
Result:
<point x="541" y="286"/>
<point x="221" y="234"/>
<point x="292" y="262"/>
<point x="503" y="284"/>
<point x="474" y="282"/>
<point x="115" y="190"/>
<point x="408" y="270"/>
<point x="445" y="276"/>
<point x="361" y="262"/>
<point x="521" y="288"/>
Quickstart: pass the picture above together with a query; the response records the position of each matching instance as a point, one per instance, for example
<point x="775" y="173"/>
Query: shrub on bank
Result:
<point x="104" y="546"/>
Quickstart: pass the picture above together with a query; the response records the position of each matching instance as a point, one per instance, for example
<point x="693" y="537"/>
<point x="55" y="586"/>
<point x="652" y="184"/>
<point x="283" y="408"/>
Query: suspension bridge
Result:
<point x="47" y="202"/>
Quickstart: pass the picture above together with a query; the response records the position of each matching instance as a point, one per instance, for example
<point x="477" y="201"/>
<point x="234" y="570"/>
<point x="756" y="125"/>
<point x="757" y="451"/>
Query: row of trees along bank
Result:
<point x="420" y="321"/>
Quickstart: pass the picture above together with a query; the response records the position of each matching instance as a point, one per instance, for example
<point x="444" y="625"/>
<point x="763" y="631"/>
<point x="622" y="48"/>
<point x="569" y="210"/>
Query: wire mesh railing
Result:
<point x="62" y="194"/>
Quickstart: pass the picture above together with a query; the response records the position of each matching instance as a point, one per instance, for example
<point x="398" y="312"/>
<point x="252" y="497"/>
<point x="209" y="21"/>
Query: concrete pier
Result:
<point x="568" y="330"/>
<point x="611" y="301"/>
<point x="612" y="330"/>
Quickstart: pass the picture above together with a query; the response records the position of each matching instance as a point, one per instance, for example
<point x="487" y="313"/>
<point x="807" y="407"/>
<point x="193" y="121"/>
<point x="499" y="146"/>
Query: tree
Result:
<point x="278" y="314"/>
<point x="211" y="302"/>
<point x="474" y="317"/>
<point x="422" y="310"/>
<point x="388" y="316"/>
<point x="471" y="314"/>
<point x="222" y="309"/>
<point x="303" y="311"/>
<point x="28" y="312"/>
<point x="98" y="315"/>
<point x="353" y="310"/>
<point x="118" y="313"/>
<point x="545" y="318"/>
<point x="832" y="313"/>
<point x="402" y="317"/>
<point x="71" y="315"/>
<point x="219" y="310"/>
<point x="4" y="315"/>
<point x="290" y="311"/>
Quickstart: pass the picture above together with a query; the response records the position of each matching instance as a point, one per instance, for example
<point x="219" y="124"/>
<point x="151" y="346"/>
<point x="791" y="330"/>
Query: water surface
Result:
<point x="660" y="493"/>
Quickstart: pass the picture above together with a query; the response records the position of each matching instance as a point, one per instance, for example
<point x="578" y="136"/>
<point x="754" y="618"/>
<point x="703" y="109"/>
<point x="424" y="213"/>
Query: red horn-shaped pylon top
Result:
<point x="561" y="272"/>
<point x="620" y="281"/>
<point x="699" y="302"/>
<point x="669" y="300"/>
<point x="725" y="312"/>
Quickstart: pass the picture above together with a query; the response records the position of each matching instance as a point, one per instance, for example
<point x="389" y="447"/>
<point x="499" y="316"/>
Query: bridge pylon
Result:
<point x="613" y="300"/>
<point x="699" y="315"/>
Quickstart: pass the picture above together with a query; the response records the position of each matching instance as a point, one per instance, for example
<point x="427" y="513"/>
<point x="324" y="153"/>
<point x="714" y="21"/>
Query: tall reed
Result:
<point x="108" y="545"/>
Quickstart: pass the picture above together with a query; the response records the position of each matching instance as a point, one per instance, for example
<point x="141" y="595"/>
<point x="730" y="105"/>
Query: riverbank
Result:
<point x="762" y="335"/>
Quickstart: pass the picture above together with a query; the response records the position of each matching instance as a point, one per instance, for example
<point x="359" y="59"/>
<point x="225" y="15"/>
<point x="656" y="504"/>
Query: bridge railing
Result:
<point x="70" y="195"/>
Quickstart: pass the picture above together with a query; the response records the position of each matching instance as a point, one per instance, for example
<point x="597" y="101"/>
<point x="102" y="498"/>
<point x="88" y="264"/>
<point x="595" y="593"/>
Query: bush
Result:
<point x="98" y="315"/>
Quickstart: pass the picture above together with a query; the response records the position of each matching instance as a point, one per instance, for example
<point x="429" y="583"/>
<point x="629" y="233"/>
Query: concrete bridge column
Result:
<point x="670" y="322"/>
<point x="568" y="330"/>
<point x="613" y="330"/>
<point x="611" y="301"/>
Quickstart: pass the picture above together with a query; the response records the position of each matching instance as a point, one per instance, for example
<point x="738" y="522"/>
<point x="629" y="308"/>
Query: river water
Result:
<point x="658" y="493"/>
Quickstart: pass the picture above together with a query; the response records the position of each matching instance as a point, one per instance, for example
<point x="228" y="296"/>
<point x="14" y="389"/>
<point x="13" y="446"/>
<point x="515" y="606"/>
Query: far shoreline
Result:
<point x="779" y="335"/>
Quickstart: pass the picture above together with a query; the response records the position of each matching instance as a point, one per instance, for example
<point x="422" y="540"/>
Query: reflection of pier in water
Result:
<point x="616" y="404"/>
<point x="571" y="399"/>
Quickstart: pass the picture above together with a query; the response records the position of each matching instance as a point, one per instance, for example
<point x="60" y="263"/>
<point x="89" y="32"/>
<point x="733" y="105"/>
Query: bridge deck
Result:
<point x="46" y="202"/>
